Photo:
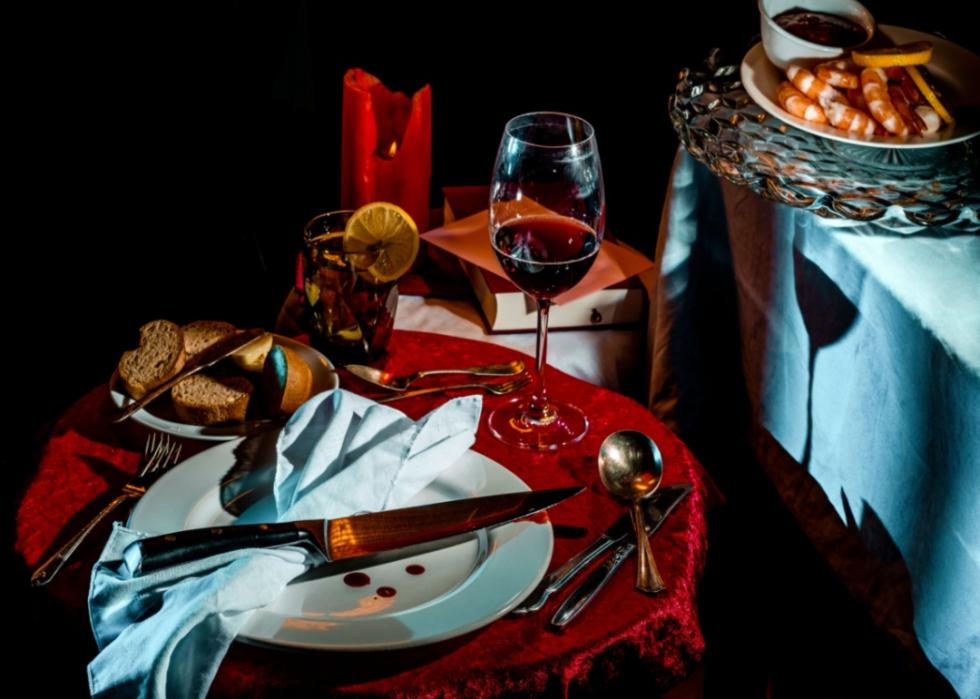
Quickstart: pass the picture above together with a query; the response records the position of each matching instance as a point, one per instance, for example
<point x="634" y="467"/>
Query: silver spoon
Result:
<point x="400" y="383"/>
<point x="631" y="468"/>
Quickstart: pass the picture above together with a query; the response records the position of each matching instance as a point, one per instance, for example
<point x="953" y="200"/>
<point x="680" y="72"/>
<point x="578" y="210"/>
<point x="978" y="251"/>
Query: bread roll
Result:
<point x="287" y="381"/>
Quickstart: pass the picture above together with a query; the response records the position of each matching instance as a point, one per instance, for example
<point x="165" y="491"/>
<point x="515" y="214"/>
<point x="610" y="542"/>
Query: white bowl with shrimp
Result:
<point x="955" y="70"/>
<point x="783" y="47"/>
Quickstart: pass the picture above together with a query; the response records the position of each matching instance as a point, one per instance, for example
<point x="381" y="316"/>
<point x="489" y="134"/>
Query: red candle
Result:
<point x="386" y="154"/>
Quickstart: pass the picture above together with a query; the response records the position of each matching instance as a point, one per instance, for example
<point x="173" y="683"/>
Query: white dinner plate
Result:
<point x="463" y="587"/>
<point x="159" y="414"/>
<point x="955" y="70"/>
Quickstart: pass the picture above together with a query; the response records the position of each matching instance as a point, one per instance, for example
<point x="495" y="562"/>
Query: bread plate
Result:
<point x="159" y="415"/>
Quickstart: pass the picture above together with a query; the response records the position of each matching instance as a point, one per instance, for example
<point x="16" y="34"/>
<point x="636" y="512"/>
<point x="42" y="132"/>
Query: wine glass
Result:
<point x="547" y="215"/>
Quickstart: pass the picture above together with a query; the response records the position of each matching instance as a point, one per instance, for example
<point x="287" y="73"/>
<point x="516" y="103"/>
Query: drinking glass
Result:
<point x="348" y="313"/>
<point x="547" y="215"/>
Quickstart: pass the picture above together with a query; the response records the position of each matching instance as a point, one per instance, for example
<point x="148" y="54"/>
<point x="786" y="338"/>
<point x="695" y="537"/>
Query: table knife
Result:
<point x="660" y="505"/>
<point x="589" y="588"/>
<point x="224" y="347"/>
<point x="345" y="537"/>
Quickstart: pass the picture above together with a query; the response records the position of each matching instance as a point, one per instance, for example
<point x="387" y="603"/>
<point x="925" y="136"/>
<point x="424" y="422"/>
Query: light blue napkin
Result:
<point x="164" y="634"/>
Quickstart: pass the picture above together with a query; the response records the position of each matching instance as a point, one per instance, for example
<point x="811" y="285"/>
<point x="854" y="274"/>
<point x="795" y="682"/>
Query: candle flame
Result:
<point x="392" y="149"/>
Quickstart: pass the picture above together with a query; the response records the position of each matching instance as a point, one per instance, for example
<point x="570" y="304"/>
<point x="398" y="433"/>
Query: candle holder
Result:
<point x="386" y="153"/>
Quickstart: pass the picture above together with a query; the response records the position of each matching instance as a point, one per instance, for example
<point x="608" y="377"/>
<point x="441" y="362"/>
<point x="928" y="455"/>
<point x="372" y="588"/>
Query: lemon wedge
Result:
<point x="382" y="239"/>
<point x="914" y="54"/>
<point x="931" y="97"/>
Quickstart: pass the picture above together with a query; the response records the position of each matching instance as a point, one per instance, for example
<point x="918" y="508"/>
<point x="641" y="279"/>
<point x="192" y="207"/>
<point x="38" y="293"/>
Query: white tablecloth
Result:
<point x="860" y="356"/>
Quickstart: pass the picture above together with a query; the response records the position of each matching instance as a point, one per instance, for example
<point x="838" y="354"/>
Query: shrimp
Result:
<point x="798" y="104"/>
<point x="929" y="117"/>
<point x="874" y="85"/>
<point x="856" y="98"/>
<point x="837" y="73"/>
<point x="849" y="118"/>
<point x="904" y="109"/>
<point x="813" y="87"/>
<point x="901" y="78"/>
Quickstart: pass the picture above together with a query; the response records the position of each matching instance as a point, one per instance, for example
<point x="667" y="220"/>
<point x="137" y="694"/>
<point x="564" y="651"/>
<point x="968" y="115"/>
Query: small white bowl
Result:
<point x="783" y="47"/>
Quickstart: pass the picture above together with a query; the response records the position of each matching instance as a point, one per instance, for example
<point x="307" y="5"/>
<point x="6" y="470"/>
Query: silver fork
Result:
<point x="159" y="454"/>
<point x="401" y="383"/>
<point x="497" y="389"/>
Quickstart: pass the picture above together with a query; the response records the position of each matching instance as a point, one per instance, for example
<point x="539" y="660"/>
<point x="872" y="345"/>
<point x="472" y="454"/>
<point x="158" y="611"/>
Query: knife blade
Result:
<point x="660" y="504"/>
<point x="345" y="537"/>
<point x="580" y="597"/>
<point x="213" y="354"/>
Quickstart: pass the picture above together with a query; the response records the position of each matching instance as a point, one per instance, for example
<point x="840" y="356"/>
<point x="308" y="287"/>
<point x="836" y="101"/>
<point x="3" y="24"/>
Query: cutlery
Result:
<point x="659" y="506"/>
<point x="346" y="537"/>
<point x="159" y="454"/>
<point x="631" y="468"/>
<point x="498" y="389"/>
<point x="213" y="354"/>
<point x="391" y="382"/>
<point x="580" y="597"/>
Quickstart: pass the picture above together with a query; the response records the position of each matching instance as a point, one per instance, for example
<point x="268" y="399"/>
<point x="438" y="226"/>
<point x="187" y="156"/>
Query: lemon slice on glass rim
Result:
<point x="382" y="239"/>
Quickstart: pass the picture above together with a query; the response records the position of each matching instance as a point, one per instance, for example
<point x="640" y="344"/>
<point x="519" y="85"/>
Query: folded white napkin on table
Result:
<point x="165" y="633"/>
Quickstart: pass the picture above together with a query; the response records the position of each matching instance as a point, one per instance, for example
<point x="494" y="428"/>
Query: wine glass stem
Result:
<point x="539" y="410"/>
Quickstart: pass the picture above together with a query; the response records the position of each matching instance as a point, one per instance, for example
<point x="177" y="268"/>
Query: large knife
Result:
<point x="659" y="506"/>
<point x="224" y="347"/>
<point x="345" y="537"/>
<point x="597" y="579"/>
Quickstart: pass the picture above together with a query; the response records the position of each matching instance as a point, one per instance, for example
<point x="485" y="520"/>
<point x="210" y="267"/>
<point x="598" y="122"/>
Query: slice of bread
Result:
<point x="159" y="357"/>
<point x="287" y="381"/>
<point x="203" y="400"/>
<point x="201" y="334"/>
<point x="251" y="357"/>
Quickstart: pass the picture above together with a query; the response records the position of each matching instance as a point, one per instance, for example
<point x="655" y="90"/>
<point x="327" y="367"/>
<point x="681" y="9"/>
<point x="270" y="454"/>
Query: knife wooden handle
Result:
<point x="144" y="556"/>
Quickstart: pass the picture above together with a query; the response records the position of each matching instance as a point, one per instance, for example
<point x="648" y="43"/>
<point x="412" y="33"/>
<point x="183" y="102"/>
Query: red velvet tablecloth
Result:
<point x="622" y="634"/>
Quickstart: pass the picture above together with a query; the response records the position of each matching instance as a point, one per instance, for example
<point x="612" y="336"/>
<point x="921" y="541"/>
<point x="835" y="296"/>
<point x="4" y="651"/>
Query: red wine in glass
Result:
<point x="545" y="254"/>
<point x="547" y="214"/>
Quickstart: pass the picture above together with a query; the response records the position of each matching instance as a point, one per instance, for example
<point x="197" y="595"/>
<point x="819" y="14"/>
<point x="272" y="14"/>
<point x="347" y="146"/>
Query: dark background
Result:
<point x="166" y="160"/>
<point x="163" y="160"/>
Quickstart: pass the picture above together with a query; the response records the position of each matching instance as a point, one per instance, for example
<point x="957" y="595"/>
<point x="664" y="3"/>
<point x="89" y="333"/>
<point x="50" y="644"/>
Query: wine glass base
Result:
<point x="509" y="423"/>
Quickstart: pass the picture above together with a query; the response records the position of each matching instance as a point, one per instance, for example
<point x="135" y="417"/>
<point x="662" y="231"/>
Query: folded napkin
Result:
<point x="165" y="633"/>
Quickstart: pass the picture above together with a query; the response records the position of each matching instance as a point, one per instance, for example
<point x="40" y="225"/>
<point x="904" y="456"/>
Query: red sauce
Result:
<point x="415" y="569"/>
<point x="387" y="592"/>
<point x="821" y="27"/>
<point x="357" y="579"/>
